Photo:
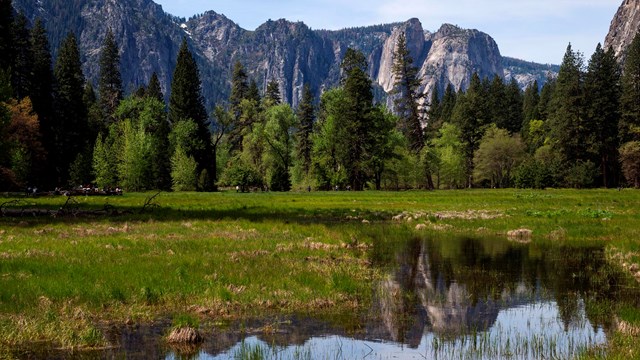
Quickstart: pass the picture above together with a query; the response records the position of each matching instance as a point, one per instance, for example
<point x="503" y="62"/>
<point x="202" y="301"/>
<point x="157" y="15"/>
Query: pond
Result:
<point x="450" y="298"/>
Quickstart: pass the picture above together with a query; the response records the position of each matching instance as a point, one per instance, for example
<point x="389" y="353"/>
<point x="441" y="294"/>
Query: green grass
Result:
<point x="231" y="256"/>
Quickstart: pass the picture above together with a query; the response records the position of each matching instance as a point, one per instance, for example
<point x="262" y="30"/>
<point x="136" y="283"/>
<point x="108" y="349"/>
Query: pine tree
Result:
<point x="530" y="103"/>
<point x="434" y="115"/>
<point x="70" y="124"/>
<point x="41" y="93"/>
<point x="514" y="99"/>
<point x="154" y="90"/>
<point x="546" y="95"/>
<point x="186" y="102"/>
<point x="448" y="103"/>
<point x="6" y="39"/>
<point x="471" y="116"/>
<point x="239" y="89"/>
<point x="110" y="84"/>
<point x="566" y="120"/>
<point x="22" y="64"/>
<point x="306" y="118"/>
<point x="602" y="92"/>
<point x="253" y="93"/>
<point x="630" y="100"/>
<point x="272" y="95"/>
<point x="406" y="88"/>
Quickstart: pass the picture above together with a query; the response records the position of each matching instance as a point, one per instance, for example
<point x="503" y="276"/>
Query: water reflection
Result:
<point x="455" y="298"/>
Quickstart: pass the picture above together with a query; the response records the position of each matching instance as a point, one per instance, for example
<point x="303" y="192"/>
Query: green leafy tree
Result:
<point x="71" y="127"/>
<point x="331" y="141"/>
<point x="104" y="163"/>
<point x="222" y="123"/>
<point x="134" y="167"/>
<point x="497" y="156"/>
<point x="449" y="150"/>
<point x="183" y="171"/>
<point x="602" y="100"/>
<point x="110" y="83"/>
<point x="278" y="134"/>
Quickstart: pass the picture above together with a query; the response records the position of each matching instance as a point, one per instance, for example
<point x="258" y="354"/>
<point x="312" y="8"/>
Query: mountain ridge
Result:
<point x="289" y="52"/>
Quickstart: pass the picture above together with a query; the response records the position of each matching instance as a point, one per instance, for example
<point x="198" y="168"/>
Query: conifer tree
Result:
<point x="406" y="88"/>
<point x="448" y="103"/>
<point x="546" y="94"/>
<point x="154" y="90"/>
<point x="434" y="115"/>
<point x="110" y="84"/>
<point x="306" y="118"/>
<point x="602" y="92"/>
<point x="253" y="93"/>
<point x="530" y="103"/>
<point x="70" y="124"/>
<point x="186" y="103"/>
<point x="471" y="116"/>
<point x="6" y="38"/>
<point x="630" y="100"/>
<point x="514" y="102"/>
<point x="566" y="120"/>
<point x="22" y="64"/>
<point x="239" y="89"/>
<point x="272" y="95"/>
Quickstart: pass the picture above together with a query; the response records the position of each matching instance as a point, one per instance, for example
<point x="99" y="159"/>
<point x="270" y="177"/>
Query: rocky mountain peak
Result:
<point x="624" y="27"/>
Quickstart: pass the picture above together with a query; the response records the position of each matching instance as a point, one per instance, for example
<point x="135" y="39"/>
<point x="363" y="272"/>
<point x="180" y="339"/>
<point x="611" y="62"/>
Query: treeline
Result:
<point x="57" y="130"/>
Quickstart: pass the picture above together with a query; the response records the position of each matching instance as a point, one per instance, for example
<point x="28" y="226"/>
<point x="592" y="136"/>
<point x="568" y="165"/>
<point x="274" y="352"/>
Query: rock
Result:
<point x="289" y="52"/>
<point x="185" y="335"/>
<point x="522" y="235"/>
<point x="624" y="28"/>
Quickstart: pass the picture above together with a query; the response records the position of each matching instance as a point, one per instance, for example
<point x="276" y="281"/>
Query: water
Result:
<point x="459" y="298"/>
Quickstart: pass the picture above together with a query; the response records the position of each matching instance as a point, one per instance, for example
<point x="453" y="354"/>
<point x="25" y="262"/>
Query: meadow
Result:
<point x="226" y="256"/>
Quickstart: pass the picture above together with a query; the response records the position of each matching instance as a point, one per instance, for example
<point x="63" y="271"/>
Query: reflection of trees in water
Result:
<point x="458" y="286"/>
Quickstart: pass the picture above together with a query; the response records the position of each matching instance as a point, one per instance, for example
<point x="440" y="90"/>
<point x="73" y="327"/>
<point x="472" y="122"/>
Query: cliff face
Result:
<point x="624" y="27"/>
<point x="290" y="53"/>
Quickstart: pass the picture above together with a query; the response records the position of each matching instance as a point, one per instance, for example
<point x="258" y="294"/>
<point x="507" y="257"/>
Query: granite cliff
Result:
<point x="289" y="52"/>
<point x="624" y="27"/>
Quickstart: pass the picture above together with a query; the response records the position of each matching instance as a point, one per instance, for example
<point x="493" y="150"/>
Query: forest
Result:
<point x="58" y="130"/>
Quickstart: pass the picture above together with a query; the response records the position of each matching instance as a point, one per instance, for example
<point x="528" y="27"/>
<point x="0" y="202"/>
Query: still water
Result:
<point x="463" y="298"/>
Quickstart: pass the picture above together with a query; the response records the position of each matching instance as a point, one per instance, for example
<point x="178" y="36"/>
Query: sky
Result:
<point x="533" y="30"/>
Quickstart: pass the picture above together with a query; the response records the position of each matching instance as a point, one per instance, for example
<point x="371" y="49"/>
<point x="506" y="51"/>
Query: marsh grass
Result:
<point x="232" y="256"/>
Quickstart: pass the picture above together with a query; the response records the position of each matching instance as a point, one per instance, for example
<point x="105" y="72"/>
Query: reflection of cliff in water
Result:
<point x="458" y="287"/>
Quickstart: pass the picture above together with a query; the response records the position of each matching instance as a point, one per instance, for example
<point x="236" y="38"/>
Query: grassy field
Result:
<point x="228" y="255"/>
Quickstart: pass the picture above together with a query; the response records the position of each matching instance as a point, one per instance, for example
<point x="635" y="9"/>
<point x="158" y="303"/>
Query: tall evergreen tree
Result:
<point x="630" y="100"/>
<point x="602" y="92"/>
<point x="566" y="120"/>
<point x="306" y="118"/>
<point x="471" y="116"/>
<point x="186" y="102"/>
<point x="6" y="38"/>
<point x="359" y="99"/>
<point x="531" y="100"/>
<point x="514" y="102"/>
<point x="70" y="125"/>
<point x="272" y="95"/>
<point x="406" y="100"/>
<point x="434" y="115"/>
<point x="22" y="64"/>
<point x="42" y="92"/>
<point x="253" y="93"/>
<point x="239" y="88"/>
<point x="546" y="95"/>
<point x="154" y="90"/>
<point x="110" y="84"/>
<point x="448" y="103"/>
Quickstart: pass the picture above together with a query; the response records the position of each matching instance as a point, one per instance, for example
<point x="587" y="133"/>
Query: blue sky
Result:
<point x="534" y="30"/>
